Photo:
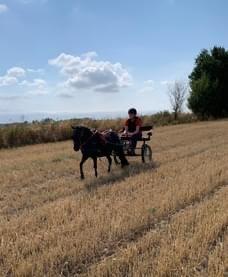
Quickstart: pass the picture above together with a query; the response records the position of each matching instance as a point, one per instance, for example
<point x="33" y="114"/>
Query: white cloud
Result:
<point x="37" y="86"/>
<point x="167" y="83"/>
<point x="37" y="83"/>
<point x="148" y="87"/>
<point x="39" y="70"/>
<point x="85" y="72"/>
<point x="7" y="81"/>
<point x="16" y="76"/>
<point x="11" y="77"/>
<point x="65" y="95"/>
<point x="149" y="82"/>
<point x="16" y="72"/>
<point x="10" y="97"/>
<point x="3" y="8"/>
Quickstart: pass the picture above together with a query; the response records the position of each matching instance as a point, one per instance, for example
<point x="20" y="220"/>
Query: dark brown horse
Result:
<point x="94" y="145"/>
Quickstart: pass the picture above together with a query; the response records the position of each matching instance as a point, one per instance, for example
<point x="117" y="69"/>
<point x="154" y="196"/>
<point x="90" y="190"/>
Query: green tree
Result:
<point x="209" y="84"/>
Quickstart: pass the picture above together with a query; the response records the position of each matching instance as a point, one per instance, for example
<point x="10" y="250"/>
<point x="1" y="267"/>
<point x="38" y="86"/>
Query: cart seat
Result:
<point x="146" y="138"/>
<point x="146" y="128"/>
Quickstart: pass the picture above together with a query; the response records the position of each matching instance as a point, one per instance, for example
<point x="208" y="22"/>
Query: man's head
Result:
<point x="132" y="113"/>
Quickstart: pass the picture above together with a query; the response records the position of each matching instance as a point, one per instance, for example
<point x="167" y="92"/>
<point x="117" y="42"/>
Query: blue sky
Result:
<point x="99" y="55"/>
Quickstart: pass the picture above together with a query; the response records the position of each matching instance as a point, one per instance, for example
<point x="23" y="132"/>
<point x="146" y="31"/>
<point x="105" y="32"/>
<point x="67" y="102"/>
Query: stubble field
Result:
<point x="167" y="218"/>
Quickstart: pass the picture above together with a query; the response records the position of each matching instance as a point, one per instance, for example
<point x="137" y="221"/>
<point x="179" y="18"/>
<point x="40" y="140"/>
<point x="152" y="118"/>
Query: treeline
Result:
<point x="48" y="130"/>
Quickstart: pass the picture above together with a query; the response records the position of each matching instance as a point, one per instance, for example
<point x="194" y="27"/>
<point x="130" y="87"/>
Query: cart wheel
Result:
<point x="146" y="153"/>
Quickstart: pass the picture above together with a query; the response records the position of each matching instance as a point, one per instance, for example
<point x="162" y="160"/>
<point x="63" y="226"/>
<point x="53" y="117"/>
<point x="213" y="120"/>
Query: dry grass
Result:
<point x="164" y="219"/>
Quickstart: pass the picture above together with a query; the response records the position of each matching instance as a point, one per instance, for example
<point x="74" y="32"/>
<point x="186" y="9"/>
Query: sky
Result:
<point x="81" y="56"/>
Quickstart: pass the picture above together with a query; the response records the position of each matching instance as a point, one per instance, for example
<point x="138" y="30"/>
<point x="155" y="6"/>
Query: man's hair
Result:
<point x="132" y="111"/>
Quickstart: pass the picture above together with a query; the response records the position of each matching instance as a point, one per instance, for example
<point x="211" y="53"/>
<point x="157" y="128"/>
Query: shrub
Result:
<point x="51" y="131"/>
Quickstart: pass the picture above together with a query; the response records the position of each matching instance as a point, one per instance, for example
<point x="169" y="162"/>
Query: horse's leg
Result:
<point x="84" y="158"/>
<point x="124" y="161"/>
<point x="95" y="165"/>
<point x="109" y="163"/>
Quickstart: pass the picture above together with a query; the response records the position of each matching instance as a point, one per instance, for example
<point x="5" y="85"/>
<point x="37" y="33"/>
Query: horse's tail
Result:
<point x="124" y="161"/>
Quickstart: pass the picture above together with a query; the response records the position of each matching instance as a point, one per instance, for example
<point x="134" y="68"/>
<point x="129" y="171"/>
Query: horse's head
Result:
<point x="80" y="136"/>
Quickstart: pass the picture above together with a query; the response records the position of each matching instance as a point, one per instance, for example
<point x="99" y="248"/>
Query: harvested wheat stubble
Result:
<point x="167" y="220"/>
<point x="174" y="247"/>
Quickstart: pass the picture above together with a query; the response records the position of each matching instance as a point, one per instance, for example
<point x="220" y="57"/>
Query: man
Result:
<point x="133" y="129"/>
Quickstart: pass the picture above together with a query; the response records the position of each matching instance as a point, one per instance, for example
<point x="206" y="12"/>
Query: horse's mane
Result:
<point x="80" y="128"/>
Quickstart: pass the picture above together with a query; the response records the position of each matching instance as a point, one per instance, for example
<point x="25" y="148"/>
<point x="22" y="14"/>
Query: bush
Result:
<point x="51" y="131"/>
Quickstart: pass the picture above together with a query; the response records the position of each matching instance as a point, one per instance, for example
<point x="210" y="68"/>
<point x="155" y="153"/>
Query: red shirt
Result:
<point x="133" y="123"/>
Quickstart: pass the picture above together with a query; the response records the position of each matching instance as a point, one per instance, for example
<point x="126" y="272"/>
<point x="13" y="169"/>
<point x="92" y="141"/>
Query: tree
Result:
<point x="209" y="84"/>
<point x="177" y="96"/>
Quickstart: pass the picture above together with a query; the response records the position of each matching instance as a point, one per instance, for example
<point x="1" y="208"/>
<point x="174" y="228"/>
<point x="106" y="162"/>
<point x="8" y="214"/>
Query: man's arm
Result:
<point x="136" y="131"/>
<point x="126" y="128"/>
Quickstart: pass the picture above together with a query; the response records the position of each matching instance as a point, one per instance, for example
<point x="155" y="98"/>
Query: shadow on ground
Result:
<point x="118" y="175"/>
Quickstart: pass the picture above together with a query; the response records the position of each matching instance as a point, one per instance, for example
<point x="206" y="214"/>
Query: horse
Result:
<point x="94" y="145"/>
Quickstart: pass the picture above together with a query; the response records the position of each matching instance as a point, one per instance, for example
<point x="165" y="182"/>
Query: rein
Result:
<point x="88" y="140"/>
<point x="83" y="144"/>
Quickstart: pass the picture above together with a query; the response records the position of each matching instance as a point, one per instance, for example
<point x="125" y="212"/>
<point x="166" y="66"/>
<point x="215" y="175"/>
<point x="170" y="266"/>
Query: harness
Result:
<point x="96" y="133"/>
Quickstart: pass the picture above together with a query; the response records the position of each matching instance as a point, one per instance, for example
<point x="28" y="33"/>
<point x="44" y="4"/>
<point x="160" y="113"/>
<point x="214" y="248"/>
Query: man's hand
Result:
<point x="127" y="134"/>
